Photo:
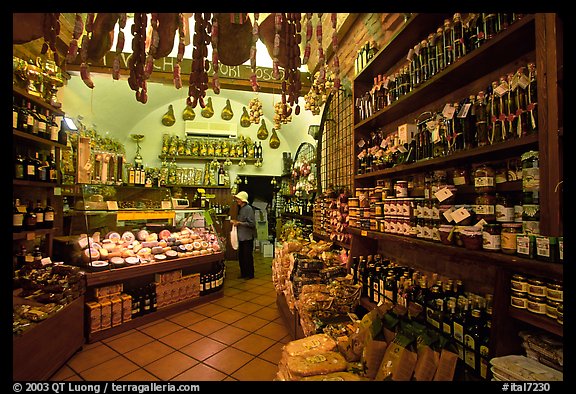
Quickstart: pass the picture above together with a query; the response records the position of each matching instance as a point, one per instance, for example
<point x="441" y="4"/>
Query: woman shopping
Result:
<point x="246" y="228"/>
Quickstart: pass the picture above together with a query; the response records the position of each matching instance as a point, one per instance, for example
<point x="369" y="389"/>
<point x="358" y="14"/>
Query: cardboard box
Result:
<point x="126" y="307"/>
<point x="268" y="250"/>
<point x="94" y="316"/>
<point x="106" y="314"/>
<point x="116" y="318"/>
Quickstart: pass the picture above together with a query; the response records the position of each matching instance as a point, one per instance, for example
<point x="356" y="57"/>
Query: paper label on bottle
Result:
<point x="523" y="81"/>
<point x="460" y="214"/>
<point x="464" y="110"/>
<point x="443" y="194"/>
<point x="448" y="111"/>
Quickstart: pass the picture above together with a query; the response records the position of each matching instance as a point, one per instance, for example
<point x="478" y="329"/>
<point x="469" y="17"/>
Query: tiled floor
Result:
<point x="236" y="337"/>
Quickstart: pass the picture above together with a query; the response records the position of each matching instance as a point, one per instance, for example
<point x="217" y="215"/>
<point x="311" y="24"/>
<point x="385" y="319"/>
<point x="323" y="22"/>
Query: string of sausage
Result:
<point x="198" y="82"/>
<point x="215" y="62"/>
<point x="120" y="40"/>
<point x="255" y="34"/>
<point x="180" y="55"/>
<point x="291" y="84"/>
<point x="154" y="40"/>
<point x="137" y="80"/>
<point x="76" y="34"/>
<point x="84" y="71"/>
<point x="51" y="31"/>
<point x="321" y="58"/>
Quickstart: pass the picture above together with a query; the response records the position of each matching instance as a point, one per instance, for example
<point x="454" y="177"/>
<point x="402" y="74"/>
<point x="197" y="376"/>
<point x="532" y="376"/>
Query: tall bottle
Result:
<point x="424" y="55"/>
<point x="19" y="167"/>
<point x="491" y="27"/>
<point x="476" y="25"/>
<point x="440" y="58"/>
<point x="458" y="36"/>
<point x="49" y="214"/>
<point x="29" y="127"/>
<point x="17" y="217"/>
<point x="221" y="176"/>
<point x="53" y="127"/>
<point x="15" y="113"/>
<point x="432" y="55"/>
<point x="30" y="217"/>
<point x="472" y="338"/>
<point x="448" y="43"/>
<point x="532" y="99"/>
<point x="39" y="211"/>
<point x="52" y="169"/>
<point x="30" y="168"/>
<point x="481" y="115"/>
<point x="521" y="126"/>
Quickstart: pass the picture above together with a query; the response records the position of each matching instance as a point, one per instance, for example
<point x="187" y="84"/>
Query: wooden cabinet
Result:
<point x="534" y="38"/>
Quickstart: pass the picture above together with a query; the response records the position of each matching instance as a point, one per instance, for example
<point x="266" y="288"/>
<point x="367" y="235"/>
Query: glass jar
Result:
<point x="491" y="237"/>
<point x="552" y="308"/>
<point x="530" y="171"/>
<point x="508" y="236"/>
<point x="484" y="179"/>
<point x="519" y="283"/>
<point x="401" y="189"/>
<point x="471" y="238"/>
<point x="518" y="300"/>
<point x="554" y="291"/>
<point x="504" y="208"/>
<point x="485" y="207"/>
<point x="536" y="304"/>
<point x="536" y="287"/>
<point x="460" y="176"/>
<point x="560" y="314"/>
<point x="531" y="213"/>
<point x="446" y="234"/>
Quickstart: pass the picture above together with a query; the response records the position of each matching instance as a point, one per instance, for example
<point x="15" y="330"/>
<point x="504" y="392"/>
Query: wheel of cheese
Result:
<point x="142" y="235"/>
<point x="189" y="247"/>
<point x="204" y="251"/>
<point x="90" y="254"/>
<point x="164" y="234"/>
<point x="195" y="253"/>
<point x="127" y="253"/>
<point x="132" y="260"/>
<point x="136" y="247"/>
<point x="157" y="250"/>
<point x="170" y="254"/>
<point x="128" y="236"/>
<point x="103" y="253"/>
<point x="160" y="257"/>
<point x="197" y="245"/>
<point x="113" y="236"/>
<point x="204" y="244"/>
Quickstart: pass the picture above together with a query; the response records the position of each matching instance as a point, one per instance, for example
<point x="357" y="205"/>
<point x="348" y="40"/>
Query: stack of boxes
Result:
<point x="173" y="287"/>
<point x="110" y="307"/>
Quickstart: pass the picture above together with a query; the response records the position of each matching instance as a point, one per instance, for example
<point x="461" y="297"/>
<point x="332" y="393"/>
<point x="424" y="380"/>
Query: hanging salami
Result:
<point x="198" y="81"/>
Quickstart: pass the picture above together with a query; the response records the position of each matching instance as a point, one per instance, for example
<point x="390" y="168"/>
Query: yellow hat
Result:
<point x="242" y="196"/>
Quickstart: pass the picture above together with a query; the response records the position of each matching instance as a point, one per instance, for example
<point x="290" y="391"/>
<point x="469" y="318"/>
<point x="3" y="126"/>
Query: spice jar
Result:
<point x="508" y="236"/>
<point x="484" y="181"/>
<point x="485" y="207"/>
<point x="491" y="237"/>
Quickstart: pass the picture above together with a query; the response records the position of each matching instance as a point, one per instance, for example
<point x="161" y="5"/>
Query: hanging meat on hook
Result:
<point x="137" y="80"/>
<point x="167" y="26"/>
<point x="102" y="36"/>
<point x="198" y="81"/>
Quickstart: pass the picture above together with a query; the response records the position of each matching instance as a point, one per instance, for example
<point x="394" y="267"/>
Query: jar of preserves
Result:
<point x="484" y="179"/>
<point x="508" y="236"/>
<point x="531" y="212"/>
<point x="552" y="308"/>
<point x="504" y="208"/>
<point x="530" y="171"/>
<point x="536" y="287"/>
<point x="560" y="314"/>
<point x="485" y="207"/>
<point x="491" y="237"/>
<point x="518" y="300"/>
<point x="519" y="283"/>
<point x="401" y="189"/>
<point x="460" y="176"/>
<point x="536" y="304"/>
<point x="554" y="291"/>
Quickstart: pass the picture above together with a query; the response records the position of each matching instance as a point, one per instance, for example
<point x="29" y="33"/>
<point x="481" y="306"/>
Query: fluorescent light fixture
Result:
<point x="70" y="124"/>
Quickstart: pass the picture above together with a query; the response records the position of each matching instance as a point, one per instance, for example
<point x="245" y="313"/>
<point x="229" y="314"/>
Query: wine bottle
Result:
<point x="52" y="169"/>
<point x="30" y="168"/>
<point x="17" y="217"/>
<point x="221" y="176"/>
<point x="39" y="211"/>
<point x="458" y="36"/>
<point x="43" y="169"/>
<point x="481" y="114"/>
<point x="53" y="127"/>
<point x="22" y="117"/>
<point x="448" y="43"/>
<point x="15" y="113"/>
<point x="532" y="99"/>
<point x="19" y="167"/>
<point x="43" y="131"/>
<point x="29" y="126"/>
<point x="30" y="217"/>
<point x="49" y="214"/>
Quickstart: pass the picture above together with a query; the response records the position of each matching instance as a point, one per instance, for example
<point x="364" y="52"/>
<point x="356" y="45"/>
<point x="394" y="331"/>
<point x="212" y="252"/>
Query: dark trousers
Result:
<point x="246" y="258"/>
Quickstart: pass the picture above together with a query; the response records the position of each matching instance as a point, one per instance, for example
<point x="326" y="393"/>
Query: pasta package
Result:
<point x="312" y="343"/>
<point x="315" y="363"/>
<point x="398" y="362"/>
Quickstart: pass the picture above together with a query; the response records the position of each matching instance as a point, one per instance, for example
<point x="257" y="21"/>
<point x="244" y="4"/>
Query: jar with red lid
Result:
<point x="484" y="179"/>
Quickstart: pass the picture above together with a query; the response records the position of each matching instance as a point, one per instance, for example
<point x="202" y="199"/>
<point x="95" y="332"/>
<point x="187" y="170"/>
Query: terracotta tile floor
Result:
<point x="237" y="337"/>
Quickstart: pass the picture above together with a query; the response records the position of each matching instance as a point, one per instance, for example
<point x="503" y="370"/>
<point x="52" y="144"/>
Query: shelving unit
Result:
<point x="534" y="38"/>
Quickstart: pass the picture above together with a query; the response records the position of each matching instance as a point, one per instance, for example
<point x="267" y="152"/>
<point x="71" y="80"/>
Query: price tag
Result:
<point x="501" y="89"/>
<point x="443" y="194"/>
<point x="361" y="143"/>
<point x="448" y="111"/>
<point x="448" y="215"/>
<point x="436" y="134"/>
<point x="165" y="204"/>
<point x="464" y="110"/>
<point x="30" y="236"/>
<point x="112" y="205"/>
<point x="364" y="233"/>
<point x="480" y="224"/>
<point x="523" y="81"/>
<point x="460" y="214"/>
<point x="402" y="149"/>
<point x="46" y="261"/>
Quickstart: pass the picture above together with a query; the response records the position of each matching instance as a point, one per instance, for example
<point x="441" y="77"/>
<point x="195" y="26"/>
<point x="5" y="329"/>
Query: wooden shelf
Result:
<point x="462" y="255"/>
<point x="327" y="239"/>
<point x="478" y="155"/>
<point x="23" y="235"/>
<point x="125" y="273"/>
<point x="158" y="314"/>
<point x="205" y="158"/>
<point x="200" y="186"/>
<point x="37" y="100"/>
<point x="506" y="46"/>
<point x="47" y="185"/>
<point x="296" y="216"/>
<point x="40" y="140"/>
<point x="541" y="321"/>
